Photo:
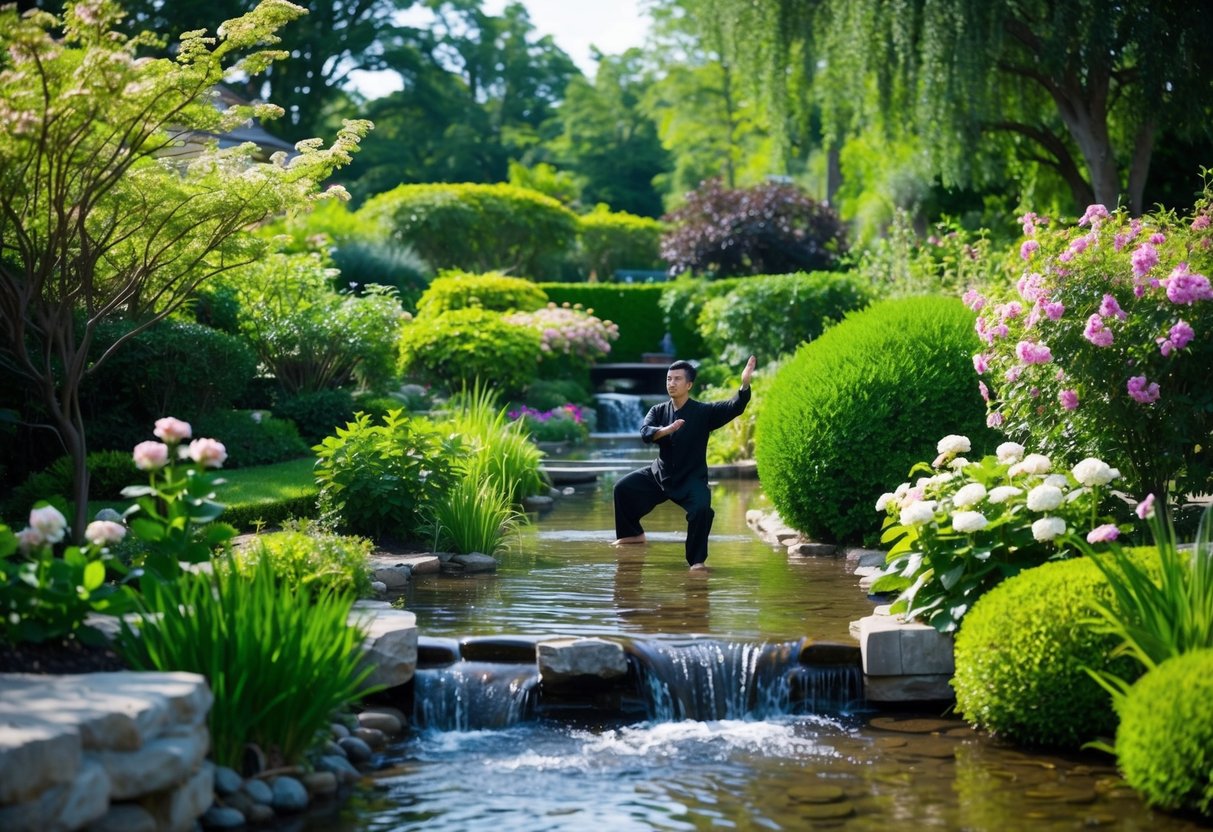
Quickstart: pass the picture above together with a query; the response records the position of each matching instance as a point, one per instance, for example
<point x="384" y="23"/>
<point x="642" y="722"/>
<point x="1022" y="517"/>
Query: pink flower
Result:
<point x="1103" y="534"/>
<point x="104" y="532"/>
<point x="1109" y="308"/>
<point x="1009" y="310"/>
<point x="208" y="453"/>
<point x="973" y="299"/>
<point x="985" y="391"/>
<point x="1028" y="248"/>
<point x="29" y="538"/>
<point x="172" y="430"/>
<point x="1185" y="287"/>
<point x="150" y="456"/>
<point x="49" y="523"/>
<point x="994" y="420"/>
<point x="999" y="331"/>
<point x="1096" y="333"/>
<point x="1053" y="309"/>
<point x="1012" y="373"/>
<point x="1119" y="241"/>
<point x="1144" y="258"/>
<point x="1068" y="399"/>
<point x="1157" y="238"/>
<point x="1029" y="287"/>
<point x="1029" y="223"/>
<point x="981" y="363"/>
<point x="1093" y="214"/>
<point x="1066" y="256"/>
<point x="1179" y="337"/>
<point x="1145" y="508"/>
<point x="1033" y="353"/>
<point x="1142" y="390"/>
<point x="1200" y="223"/>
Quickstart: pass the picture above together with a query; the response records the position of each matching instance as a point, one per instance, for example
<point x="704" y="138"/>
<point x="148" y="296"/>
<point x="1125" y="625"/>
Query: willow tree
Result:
<point x="114" y="197"/>
<point x="1084" y="87"/>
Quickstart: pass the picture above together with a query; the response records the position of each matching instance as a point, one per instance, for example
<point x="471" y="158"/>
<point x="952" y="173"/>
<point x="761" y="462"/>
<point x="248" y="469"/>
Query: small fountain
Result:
<point x="474" y="696"/>
<point x="619" y="413"/>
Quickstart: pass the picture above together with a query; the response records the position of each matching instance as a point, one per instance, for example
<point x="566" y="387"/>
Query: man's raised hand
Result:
<point x="748" y="371"/>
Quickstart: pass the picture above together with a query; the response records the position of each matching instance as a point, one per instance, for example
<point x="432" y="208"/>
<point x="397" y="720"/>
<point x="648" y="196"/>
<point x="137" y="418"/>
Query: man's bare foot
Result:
<point x="699" y="567"/>
<point x="623" y="541"/>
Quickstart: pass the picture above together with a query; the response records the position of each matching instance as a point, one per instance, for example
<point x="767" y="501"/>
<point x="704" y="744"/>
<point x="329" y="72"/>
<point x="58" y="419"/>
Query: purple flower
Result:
<point x="1096" y="333"/>
<point x="1141" y="390"/>
<point x="1033" y="353"/>
<point x="1012" y="373"/>
<point x="1120" y="241"/>
<point x="1185" y="287"/>
<point x="1144" y="258"/>
<point x="1028" y="248"/>
<point x="1158" y="239"/>
<point x="1029" y="223"/>
<point x="1068" y="399"/>
<point x="1093" y="214"/>
<point x="973" y="299"/>
<point x="1029" y="287"/>
<point x="1200" y="223"/>
<point x="994" y="420"/>
<point x="1053" y="309"/>
<point x="981" y="363"/>
<point x="1109" y="308"/>
<point x="985" y="391"/>
<point x="1179" y="337"/>
<point x="1009" y="310"/>
<point x="1103" y="534"/>
<point x="1146" y="507"/>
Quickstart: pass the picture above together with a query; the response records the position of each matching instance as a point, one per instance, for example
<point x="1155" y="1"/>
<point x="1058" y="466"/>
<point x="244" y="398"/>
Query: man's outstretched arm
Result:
<point x="726" y="411"/>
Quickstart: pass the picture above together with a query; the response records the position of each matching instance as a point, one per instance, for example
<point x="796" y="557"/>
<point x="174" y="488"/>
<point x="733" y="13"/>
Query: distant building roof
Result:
<point x="250" y="131"/>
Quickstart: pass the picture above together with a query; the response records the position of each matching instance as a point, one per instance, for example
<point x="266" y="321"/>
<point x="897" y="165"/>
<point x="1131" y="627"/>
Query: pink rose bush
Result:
<point x="959" y="527"/>
<point x="1105" y="344"/>
<point x="568" y="334"/>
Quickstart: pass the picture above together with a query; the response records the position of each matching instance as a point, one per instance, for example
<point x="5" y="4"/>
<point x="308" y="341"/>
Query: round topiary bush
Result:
<point x="456" y="348"/>
<point x="852" y="411"/>
<point x="492" y="291"/>
<point x="1021" y="653"/>
<point x="1165" y="740"/>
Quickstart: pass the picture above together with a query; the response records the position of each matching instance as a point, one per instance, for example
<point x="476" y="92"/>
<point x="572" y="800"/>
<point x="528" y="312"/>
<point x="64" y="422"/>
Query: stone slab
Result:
<point x="68" y="805"/>
<point x="566" y="659"/>
<point x="893" y="647"/>
<point x="160" y="764"/>
<point x="425" y="563"/>
<point x="390" y="645"/>
<point x="36" y="756"/>
<point x="912" y="688"/>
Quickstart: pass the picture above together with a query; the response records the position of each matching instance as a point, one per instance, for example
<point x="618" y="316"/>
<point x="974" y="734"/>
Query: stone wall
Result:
<point x="110" y="751"/>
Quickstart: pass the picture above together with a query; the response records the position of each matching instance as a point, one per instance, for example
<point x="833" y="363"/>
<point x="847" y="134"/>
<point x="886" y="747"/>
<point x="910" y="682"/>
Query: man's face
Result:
<point x="677" y="384"/>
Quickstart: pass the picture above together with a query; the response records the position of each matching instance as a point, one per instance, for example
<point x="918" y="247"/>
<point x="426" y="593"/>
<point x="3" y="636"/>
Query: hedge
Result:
<point x="635" y="307"/>
<point x="611" y="240"/>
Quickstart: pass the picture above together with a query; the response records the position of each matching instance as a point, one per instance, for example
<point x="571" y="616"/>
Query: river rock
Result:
<point x="222" y="817"/>
<point x="340" y="766"/>
<point x="124" y="817"/>
<point x="393" y="577"/>
<point x="339" y="731"/>
<point x="566" y="659"/>
<point x="391" y="642"/>
<point x="475" y="562"/>
<point x="356" y="750"/>
<point x="390" y="721"/>
<point x="289" y="795"/>
<point x="371" y="736"/>
<point x="227" y="780"/>
<point x="807" y="550"/>
<point x="260" y="813"/>
<point x="320" y="782"/>
<point x="259" y="791"/>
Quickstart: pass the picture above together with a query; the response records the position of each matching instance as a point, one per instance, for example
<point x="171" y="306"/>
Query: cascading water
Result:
<point x="472" y="696"/>
<point x="619" y="412"/>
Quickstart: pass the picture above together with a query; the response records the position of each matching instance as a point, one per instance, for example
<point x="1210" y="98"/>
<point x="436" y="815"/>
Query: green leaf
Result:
<point x="94" y="575"/>
<point x="147" y="530"/>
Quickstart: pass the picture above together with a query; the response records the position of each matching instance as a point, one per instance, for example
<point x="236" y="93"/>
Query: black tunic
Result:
<point x="683" y="455"/>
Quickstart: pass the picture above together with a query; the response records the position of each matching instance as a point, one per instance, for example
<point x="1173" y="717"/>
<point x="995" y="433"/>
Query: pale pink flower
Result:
<point x="150" y="456"/>
<point x="994" y="420"/>
<point x="1053" y="310"/>
<point x="1012" y="374"/>
<point x="1200" y="223"/>
<point x="1029" y="287"/>
<point x="974" y="300"/>
<point x="1142" y="390"/>
<point x="1144" y="258"/>
<point x="1008" y="311"/>
<point x="104" y="532"/>
<point x="1097" y="333"/>
<point x="999" y="331"/>
<point x="1068" y="399"/>
<point x="29" y="538"/>
<point x="981" y="363"/>
<point x="1145" y="508"/>
<point x="1029" y="223"/>
<point x="1093" y="214"/>
<point x="1103" y="534"/>
<point x="1109" y="308"/>
<point x="172" y="430"/>
<point x="1033" y="353"/>
<point x="985" y="391"/>
<point x="208" y="453"/>
<point x="49" y="522"/>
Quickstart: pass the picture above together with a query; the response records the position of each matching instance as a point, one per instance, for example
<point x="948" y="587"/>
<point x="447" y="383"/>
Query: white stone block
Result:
<point x="160" y="764"/>
<point x="390" y="645"/>
<point x="561" y="660"/>
<point x="35" y="756"/>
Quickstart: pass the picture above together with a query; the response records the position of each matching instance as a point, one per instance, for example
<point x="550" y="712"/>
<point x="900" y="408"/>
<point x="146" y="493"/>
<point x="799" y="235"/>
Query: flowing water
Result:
<point x="727" y="730"/>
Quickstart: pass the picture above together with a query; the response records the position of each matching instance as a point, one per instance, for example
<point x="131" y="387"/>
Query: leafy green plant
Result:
<point x="492" y="291"/>
<point x="609" y="240"/>
<point x="571" y="340"/>
<point x="363" y="263"/>
<point x="853" y="409"/>
<point x="317" y="413"/>
<point x="253" y="437"/>
<point x="964" y="526"/>
<point x="632" y="306"/>
<point x="109" y="472"/>
<point x="306" y="554"/>
<point x="681" y="303"/>
<point x="567" y="423"/>
<point x="378" y="479"/>
<point x="279" y="657"/>
<point x="1165" y="734"/>
<point x="498" y="450"/>
<point x="476" y="515"/>
<point x="771" y="315"/>
<point x="460" y="346"/>
<point x="546" y="394"/>
<point x="1021" y="650"/>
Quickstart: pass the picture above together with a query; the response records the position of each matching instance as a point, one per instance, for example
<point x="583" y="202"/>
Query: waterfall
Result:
<point x="619" y="412"/>
<point x="472" y="696"/>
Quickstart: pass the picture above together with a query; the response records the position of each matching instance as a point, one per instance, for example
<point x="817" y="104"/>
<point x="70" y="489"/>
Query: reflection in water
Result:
<point x="681" y="606"/>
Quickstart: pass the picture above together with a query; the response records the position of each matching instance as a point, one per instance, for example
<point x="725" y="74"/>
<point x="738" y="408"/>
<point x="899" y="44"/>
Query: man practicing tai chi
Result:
<point x="680" y="428"/>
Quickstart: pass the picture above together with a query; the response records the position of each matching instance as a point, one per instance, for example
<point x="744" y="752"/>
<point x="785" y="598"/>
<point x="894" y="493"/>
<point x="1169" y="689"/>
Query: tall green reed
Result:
<point x="499" y="449"/>
<point x="476" y="516"/>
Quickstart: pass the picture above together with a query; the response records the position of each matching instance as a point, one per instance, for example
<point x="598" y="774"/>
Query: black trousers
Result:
<point x="638" y="493"/>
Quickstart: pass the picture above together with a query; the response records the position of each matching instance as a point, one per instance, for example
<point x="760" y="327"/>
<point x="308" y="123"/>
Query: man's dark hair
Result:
<point x="684" y="365"/>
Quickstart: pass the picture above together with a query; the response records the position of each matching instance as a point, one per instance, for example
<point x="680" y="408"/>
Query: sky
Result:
<point x="575" y="25"/>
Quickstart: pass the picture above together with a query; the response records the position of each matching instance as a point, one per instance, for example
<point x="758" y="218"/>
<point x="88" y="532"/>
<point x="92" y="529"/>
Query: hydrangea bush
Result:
<point x="964" y="526"/>
<point x="1105" y="347"/>
<point x="570" y="337"/>
<point x="567" y="423"/>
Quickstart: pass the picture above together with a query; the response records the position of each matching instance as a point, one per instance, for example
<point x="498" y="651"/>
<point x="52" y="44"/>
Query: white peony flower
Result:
<point x="104" y="532"/>
<point x="940" y="479"/>
<point x="885" y="498"/>
<point x="917" y="513"/>
<point x="969" y="495"/>
<point x="901" y="490"/>
<point x="1057" y="481"/>
<point x="958" y="464"/>
<point x="1031" y="464"/>
<point x="953" y="444"/>
<point x="1092" y="472"/>
<point x="1044" y="498"/>
<point x="49" y="523"/>
<point x="1009" y="452"/>
<point x="1003" y="493"/>
<point x="1047" y="528"/>
<point x="966" y="522"/>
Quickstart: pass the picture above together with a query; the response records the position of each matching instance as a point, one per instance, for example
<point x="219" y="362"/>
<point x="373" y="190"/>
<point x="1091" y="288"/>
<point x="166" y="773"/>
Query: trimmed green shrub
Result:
<point x="772" y="315"/>
<point x="493" y="291"/>
<point x="609" y="240"/>
<point x="853" y="410"/>
<point x="1164" y="743"/>
<point x="634" y="307"/>
<point x="109" y="472"/>
<point x="681" y="302"/>
<point x="273" y="511"/>
<point x="1022" y="653"/>
<point x="476" y="227"/>
<point x="304" y="554"/>
<point x="318" y="413"/>
<point x="270" y="494"/>
<point x="545" y="394"/>
<point x="326" y="222"/>
<point x="456" y="348"/>
<point x="252" y="437"/>
<point x="362" y="264"/>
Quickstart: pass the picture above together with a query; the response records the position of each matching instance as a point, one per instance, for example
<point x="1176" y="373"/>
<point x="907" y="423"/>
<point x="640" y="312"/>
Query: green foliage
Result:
<point x="772" y="315"/>
<point x="252" y="437"/>
<point x="476" y="227"/>
<point x="545" y="179"/>
<point x="382" y="264"/>
<point x="305" y="554"/>
<point x="317" y="226"/>
<point x="633" y="307"/>
<point x="735" y="441"/>
<point x="458" y="347"/>
<point x="309" y="336"/>
<point x="270" y="494"/>
<point x="474" y="516"/>
<point x="1122" y="309"/>
<point x="964" y="526"/>
<point x="853" y="410"/>
<point x="279" y="657"/>
<point x="1021" y="654"/>
<point x="564" y="423"/>
<point x="109" y="472"/>
<point x="493" y="291"/>
<point x="317" y="413"/>
<point x="1164" y="741"/>
<point x="378" y="479"/>
<point x="681" y="303"/>
<point x="545" y="394"/>
<point x="609" y="240"/>
<point x="498" y="450"/>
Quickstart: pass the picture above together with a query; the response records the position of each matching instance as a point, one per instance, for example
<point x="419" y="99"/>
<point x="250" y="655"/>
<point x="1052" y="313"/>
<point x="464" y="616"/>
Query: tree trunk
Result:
<point x="1139" y="169"/>
<point x="833" y="172"/>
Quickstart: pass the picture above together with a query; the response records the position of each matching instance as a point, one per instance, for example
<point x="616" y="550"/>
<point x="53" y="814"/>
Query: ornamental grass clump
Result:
<point x="497" y="449"/>
<point x="1106" y="345"/>
<point x="963" y="526"/>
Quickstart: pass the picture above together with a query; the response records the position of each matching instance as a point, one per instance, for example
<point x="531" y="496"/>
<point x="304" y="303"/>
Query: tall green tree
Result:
<point x="111" y="202"/>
